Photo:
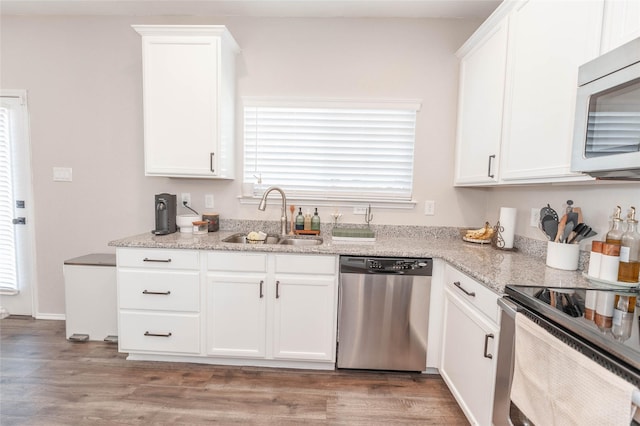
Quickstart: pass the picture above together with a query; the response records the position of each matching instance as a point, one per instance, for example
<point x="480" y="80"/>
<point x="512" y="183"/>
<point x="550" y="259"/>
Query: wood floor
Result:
<point x="46" y="380"/>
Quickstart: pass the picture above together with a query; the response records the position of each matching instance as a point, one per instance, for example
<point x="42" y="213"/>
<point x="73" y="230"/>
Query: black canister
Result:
<point x="213" y="219"/>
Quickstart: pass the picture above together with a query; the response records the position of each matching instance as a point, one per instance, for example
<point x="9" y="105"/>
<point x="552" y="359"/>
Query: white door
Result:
<point x="17" y="254"/>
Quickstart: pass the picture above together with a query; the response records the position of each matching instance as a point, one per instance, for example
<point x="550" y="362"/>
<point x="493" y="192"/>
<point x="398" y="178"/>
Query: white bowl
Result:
<point x="185" y="222"/>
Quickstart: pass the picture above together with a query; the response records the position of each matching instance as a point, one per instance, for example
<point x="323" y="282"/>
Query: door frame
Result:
<point x="26" y="242"/>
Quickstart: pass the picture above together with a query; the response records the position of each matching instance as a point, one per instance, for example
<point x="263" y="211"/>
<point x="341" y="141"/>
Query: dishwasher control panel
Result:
<point x="372" y="265"/>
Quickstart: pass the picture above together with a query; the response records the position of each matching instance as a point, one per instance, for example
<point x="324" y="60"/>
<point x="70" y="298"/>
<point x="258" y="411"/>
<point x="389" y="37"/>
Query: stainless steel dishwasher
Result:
<point x="383" y="313"/>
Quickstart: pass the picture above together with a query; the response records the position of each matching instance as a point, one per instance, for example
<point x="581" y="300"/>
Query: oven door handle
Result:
<point x="508" y="307"/>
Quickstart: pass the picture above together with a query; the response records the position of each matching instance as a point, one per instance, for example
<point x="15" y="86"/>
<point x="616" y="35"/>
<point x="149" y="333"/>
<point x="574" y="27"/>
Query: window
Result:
<point x="334" y="150"/>
<point x="8" y="267"/>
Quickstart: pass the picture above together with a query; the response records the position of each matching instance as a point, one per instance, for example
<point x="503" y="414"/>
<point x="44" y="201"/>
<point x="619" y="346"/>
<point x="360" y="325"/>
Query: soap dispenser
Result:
<point x="299" y="220"/>
<point x="315" y="221"/>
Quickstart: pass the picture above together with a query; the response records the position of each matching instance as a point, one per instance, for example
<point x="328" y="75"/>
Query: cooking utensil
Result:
<point x="292" y="209"/>
<point x="549" y="222"/>
<point x="567" y="230"/>
<point x="561" y="225"/>
<point x="576" y="231"/>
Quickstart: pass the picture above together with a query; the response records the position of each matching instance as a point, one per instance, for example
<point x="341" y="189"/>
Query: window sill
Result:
<point x="324" y="202"/>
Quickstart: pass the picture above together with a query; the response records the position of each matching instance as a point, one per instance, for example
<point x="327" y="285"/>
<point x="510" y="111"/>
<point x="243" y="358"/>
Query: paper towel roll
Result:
<point x="508" y="222"/>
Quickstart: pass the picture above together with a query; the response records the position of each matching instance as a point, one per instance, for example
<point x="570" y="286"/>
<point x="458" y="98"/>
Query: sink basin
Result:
<point x="292" y="241"/>
<point x="275" y="239"/>
<point x="242" y="239"/>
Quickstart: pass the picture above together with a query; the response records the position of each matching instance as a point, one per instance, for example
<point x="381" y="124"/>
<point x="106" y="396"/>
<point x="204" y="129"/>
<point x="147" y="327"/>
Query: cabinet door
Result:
<point x="482" y="73"/>
<point x="548" y="40"/>
<point x="236" y="315"/>
<point x="180" y="105"/>
<point x="304" y="317"/>
<point x="621" y="23"/>
<point x="468" y="341"/>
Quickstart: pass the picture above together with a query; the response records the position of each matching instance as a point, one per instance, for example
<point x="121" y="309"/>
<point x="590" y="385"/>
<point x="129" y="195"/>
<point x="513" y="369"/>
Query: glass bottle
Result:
<point x="629" y="268"/>
<point x="299" y="220"/>
<point x="307" y="221"/>
<point x="622" y="321"/>
<point x="614" y="236"/>
<point x="315" y="221"/>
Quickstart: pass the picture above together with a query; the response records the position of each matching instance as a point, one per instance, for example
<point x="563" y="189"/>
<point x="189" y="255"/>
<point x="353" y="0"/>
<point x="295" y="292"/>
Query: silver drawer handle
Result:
<point x="486" y="344"/>
<point x="468" y="293"/>
<point x="146" y="259"/>
<point x="163" y="293"/>
<point x="146" y="333"/>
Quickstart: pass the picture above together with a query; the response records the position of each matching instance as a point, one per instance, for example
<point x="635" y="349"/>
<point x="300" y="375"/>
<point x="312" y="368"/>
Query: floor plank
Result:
<point x="47" y="380"/>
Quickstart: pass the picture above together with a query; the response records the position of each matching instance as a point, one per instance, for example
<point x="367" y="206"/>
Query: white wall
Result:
<point x="83" y="76"/>
<point x="596" y="199"/>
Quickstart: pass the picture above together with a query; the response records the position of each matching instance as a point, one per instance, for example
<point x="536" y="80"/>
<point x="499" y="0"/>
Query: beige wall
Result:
<point x="83" y="76"/>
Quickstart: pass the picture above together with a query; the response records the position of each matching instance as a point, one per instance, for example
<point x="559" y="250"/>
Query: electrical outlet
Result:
<point x="429" y="207"/>
<point x="186" y="197"/>
<point x="534" y="219"/>
<point x="208" y="201"/>
<point x="359" y="210"/>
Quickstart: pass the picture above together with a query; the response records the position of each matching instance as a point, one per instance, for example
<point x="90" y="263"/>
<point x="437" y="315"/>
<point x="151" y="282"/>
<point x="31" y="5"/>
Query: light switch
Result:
<point x="208" y="201"/>
<point x="429" y="207"/>
<point x="62" y="174"/>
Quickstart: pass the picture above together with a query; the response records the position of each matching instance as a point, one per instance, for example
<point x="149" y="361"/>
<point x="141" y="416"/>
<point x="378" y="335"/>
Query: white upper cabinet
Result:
<point x="188" y="97"/>
<point x="480" y="103"/>
<point x="518" y="79"/>
<point x="548" y="41"/>
<point x="621" y="23"/>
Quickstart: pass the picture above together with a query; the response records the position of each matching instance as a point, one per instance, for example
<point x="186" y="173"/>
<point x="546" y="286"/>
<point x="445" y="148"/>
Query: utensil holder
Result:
<point x="563" y="256"/>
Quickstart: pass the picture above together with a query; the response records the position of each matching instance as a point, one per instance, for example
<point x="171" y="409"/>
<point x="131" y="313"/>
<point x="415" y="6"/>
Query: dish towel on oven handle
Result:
<point x="553" y="384"/>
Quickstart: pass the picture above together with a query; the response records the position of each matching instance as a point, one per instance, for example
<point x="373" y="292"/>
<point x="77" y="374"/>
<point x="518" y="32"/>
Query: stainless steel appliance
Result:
<point x="606" y="137"/>
<point x="165" y="209"/>
<point x="561" y="312"/>
<point x="383" y="313"/>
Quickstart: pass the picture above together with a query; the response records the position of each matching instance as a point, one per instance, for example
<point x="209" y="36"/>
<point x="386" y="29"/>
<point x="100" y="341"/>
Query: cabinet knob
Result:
<point x="261" y="293"/>
<point x="277" y="289"/>
<point x="211" y="155"/>
<point x="146" y="333"/>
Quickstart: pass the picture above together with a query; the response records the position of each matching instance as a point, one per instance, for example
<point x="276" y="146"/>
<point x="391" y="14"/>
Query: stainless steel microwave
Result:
<point x="606" y="136"/>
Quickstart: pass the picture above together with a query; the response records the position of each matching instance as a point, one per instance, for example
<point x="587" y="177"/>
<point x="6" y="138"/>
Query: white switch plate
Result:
<point x="208" y="201"/>
<point x="534" y="219"/>
<point x="185" y="196"/>
<point x="430" y="207"/>
<point x="62" y="174"/>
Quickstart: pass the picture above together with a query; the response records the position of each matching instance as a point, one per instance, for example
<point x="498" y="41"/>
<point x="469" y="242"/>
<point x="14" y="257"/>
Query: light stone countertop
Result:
<point x="492" y="267"/>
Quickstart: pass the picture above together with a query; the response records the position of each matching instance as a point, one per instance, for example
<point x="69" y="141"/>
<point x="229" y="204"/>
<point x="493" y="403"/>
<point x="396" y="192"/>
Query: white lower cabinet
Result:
<point x="468" y="362"/>
<point x="271" y="306"/>
<point x="158" y="301"/>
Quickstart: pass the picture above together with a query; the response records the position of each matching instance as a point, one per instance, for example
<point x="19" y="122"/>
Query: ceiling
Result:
<point x="260" y="8"/>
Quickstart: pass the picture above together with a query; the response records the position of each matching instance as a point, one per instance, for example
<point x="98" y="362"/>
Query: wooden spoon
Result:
<point x="292" y="209"/>
<point x="561" y="226"/>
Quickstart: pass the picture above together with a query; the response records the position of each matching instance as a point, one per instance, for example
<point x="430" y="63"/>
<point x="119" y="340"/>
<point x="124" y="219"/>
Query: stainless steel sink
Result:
<point x="275" y="239"/>
<point x="242" y="239"/>
<point x="293" y="241"/>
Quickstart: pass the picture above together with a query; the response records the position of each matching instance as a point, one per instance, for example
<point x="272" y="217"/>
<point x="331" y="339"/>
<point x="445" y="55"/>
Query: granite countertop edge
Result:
<point x="492" y="267"/>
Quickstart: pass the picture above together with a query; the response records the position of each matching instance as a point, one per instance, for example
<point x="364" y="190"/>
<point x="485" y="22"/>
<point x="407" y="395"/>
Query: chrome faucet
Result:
<point x="283" y="218"/>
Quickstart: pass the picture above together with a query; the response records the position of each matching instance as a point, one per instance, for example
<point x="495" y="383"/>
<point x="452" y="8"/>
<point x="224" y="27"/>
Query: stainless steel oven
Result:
<point x="606" y="137"/>
<point x="561" y="312"/>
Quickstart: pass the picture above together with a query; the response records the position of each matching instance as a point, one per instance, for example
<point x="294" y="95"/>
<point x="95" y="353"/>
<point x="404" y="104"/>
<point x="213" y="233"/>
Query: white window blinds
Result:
<point x="8" y="274"/>
<point x="331" y="150"/>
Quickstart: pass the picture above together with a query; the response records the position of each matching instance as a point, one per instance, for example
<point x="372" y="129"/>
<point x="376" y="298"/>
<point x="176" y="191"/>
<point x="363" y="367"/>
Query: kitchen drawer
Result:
<point x="236" y="261"/>
<point x="159" y="332"/>
<point x="159" y="290"/>
<point x="479" y="296"/>
<point x="305" y="264"/>
<point x="158" y="258"/>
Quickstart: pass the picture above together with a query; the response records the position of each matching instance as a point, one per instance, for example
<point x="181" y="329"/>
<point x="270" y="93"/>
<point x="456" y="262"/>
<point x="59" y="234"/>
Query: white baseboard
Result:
<point x="56" y="317"/>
